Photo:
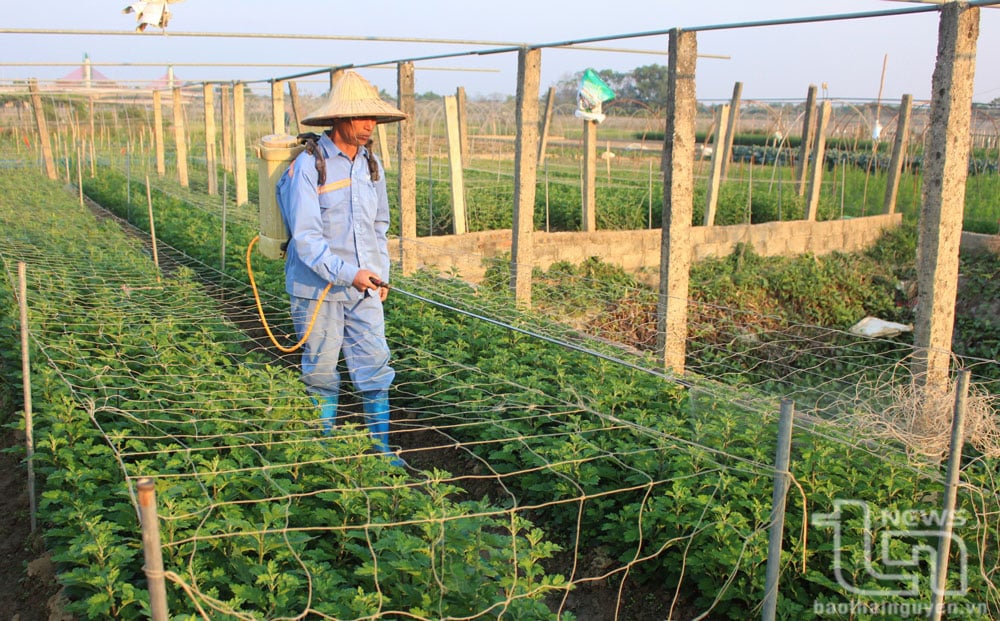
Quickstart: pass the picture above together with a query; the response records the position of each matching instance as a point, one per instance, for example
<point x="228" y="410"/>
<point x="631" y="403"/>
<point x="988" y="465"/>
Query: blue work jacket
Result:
<point x="336" y="229"/>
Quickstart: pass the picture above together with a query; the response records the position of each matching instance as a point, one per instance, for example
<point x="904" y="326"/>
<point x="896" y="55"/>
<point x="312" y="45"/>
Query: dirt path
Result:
<point x="27" y="579"/>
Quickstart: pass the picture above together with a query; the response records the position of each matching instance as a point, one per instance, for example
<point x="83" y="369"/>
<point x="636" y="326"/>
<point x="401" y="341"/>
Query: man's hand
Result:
<point x="367" y="279"/>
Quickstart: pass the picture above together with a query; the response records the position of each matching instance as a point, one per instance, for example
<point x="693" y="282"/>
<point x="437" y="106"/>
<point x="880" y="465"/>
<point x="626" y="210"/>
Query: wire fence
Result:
<point x="585" y="477"/>
<point x="554" y="468"/>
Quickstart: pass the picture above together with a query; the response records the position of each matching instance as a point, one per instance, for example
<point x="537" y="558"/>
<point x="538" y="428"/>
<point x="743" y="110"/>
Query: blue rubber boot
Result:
<point x="327" y="412"/>
<point x="376" y="406"/>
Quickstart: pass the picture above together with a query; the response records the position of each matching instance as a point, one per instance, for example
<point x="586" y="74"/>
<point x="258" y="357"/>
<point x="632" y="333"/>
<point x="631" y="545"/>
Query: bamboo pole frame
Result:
<point x="29" y="442"/>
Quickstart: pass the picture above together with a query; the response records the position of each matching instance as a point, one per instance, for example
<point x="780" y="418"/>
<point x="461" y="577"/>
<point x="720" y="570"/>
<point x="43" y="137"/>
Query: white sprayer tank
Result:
<point x="276" y="152"/>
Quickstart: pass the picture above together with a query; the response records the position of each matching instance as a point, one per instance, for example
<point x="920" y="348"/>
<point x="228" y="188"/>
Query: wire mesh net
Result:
<point x="553" y="466"/>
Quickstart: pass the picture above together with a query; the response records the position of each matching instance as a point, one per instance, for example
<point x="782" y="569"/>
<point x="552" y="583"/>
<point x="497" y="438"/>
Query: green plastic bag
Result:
<point x="592" y="93"/>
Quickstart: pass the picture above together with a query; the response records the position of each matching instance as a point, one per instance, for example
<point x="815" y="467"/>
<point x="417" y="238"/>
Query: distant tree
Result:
<point x="651" y="85"/>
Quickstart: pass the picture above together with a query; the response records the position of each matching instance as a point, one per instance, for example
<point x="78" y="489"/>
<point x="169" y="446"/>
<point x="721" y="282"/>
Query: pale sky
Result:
<point x="844" y="58"/>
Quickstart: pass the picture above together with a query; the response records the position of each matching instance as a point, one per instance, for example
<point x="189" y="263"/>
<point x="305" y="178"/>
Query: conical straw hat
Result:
<point x="353" y="96"/>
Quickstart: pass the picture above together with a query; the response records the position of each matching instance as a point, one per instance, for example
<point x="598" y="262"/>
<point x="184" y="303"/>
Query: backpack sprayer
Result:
<point x="276" y="152"/>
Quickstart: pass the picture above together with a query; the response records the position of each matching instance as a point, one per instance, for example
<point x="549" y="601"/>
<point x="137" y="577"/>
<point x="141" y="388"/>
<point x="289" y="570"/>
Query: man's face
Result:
<point x="360" y="129"/>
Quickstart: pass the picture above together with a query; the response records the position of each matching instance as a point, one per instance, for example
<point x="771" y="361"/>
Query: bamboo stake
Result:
<point x="152" y="550"/>
<point x="26" y="381"/>
<point x="951" y="492"/>
<point x="775" y="532"/>
<point x="79" y="172"/>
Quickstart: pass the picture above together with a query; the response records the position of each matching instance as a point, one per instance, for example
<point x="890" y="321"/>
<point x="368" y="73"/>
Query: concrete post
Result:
<point x="452" y="131"/>
<point x="226" y="103"/>
<point x="210" y="160"/>
<point x="944" y="177"/>
<point x="293" y="94"/>
<point x="240" y="145"/>
<point x="277" y="107"/>
<point x="898" y="154"/>
<point x="180" y="138"/>
<point x="678" y="201"/>
<point x="588" y="215"/>
<point x="161" y="159"/>
<point x="406" y="149"/>
<point x="529" y="69"/>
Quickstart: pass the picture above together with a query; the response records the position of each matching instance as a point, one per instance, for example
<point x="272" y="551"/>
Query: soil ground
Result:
<point x="28" y="589"/>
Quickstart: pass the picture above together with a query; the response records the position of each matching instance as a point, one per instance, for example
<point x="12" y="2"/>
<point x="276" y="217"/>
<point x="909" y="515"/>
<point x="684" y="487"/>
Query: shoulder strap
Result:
<point x="372" y="162"/>
<point x="310" y="141"/>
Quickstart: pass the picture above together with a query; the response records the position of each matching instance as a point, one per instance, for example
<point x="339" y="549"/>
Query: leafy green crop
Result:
<point x="242" y="522"/>
<point x="617" y="466"/>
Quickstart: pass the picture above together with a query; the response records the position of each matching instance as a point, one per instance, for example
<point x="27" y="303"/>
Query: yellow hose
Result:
<point x="260" y="308"/>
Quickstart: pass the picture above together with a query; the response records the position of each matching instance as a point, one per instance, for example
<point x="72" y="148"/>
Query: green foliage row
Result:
<point x="345" y="555"/>
<point x="686" y="498"/>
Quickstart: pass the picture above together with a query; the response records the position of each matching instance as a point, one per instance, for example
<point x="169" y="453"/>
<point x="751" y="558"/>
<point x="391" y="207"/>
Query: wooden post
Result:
<point x="293" y="94"/>
<point x="43" y="130"/>
<point x="588" y="215"/>
<point x="455" y="165"/>
<point x="152" y="229"/>
<point x="277" y="107"/>
<point x="719" y="158"/>
<point x="818" y="155"/>
<point x="152" y="550"/>
<point x="226" y="102"/>
<point x="463" y="125"/>
<point x="180" y="138"/>
<point x="161" y="166"/>
<point x="240" y="145"/>
<point x="406" y="149"/>
<point x="730" y="135"/>
<point x="29" y="426"/>
<point x="678" y="188"/>
<point x="898" y="154"/>
<point x="946" y="169"/>
<point x="543" y="140"/>
<point x="808" y="132"/>
<point x="529" y="68"/>
<point x="776" y="530"/>
<point x="212" y="168"/>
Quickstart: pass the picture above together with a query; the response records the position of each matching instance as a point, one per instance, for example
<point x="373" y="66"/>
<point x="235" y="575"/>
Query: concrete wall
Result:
<point x="638" y="251"/>
<point x="978" y="242"/>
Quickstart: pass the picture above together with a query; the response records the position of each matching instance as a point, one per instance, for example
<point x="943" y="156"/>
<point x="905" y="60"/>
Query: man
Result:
<point x="337" y="214"/>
